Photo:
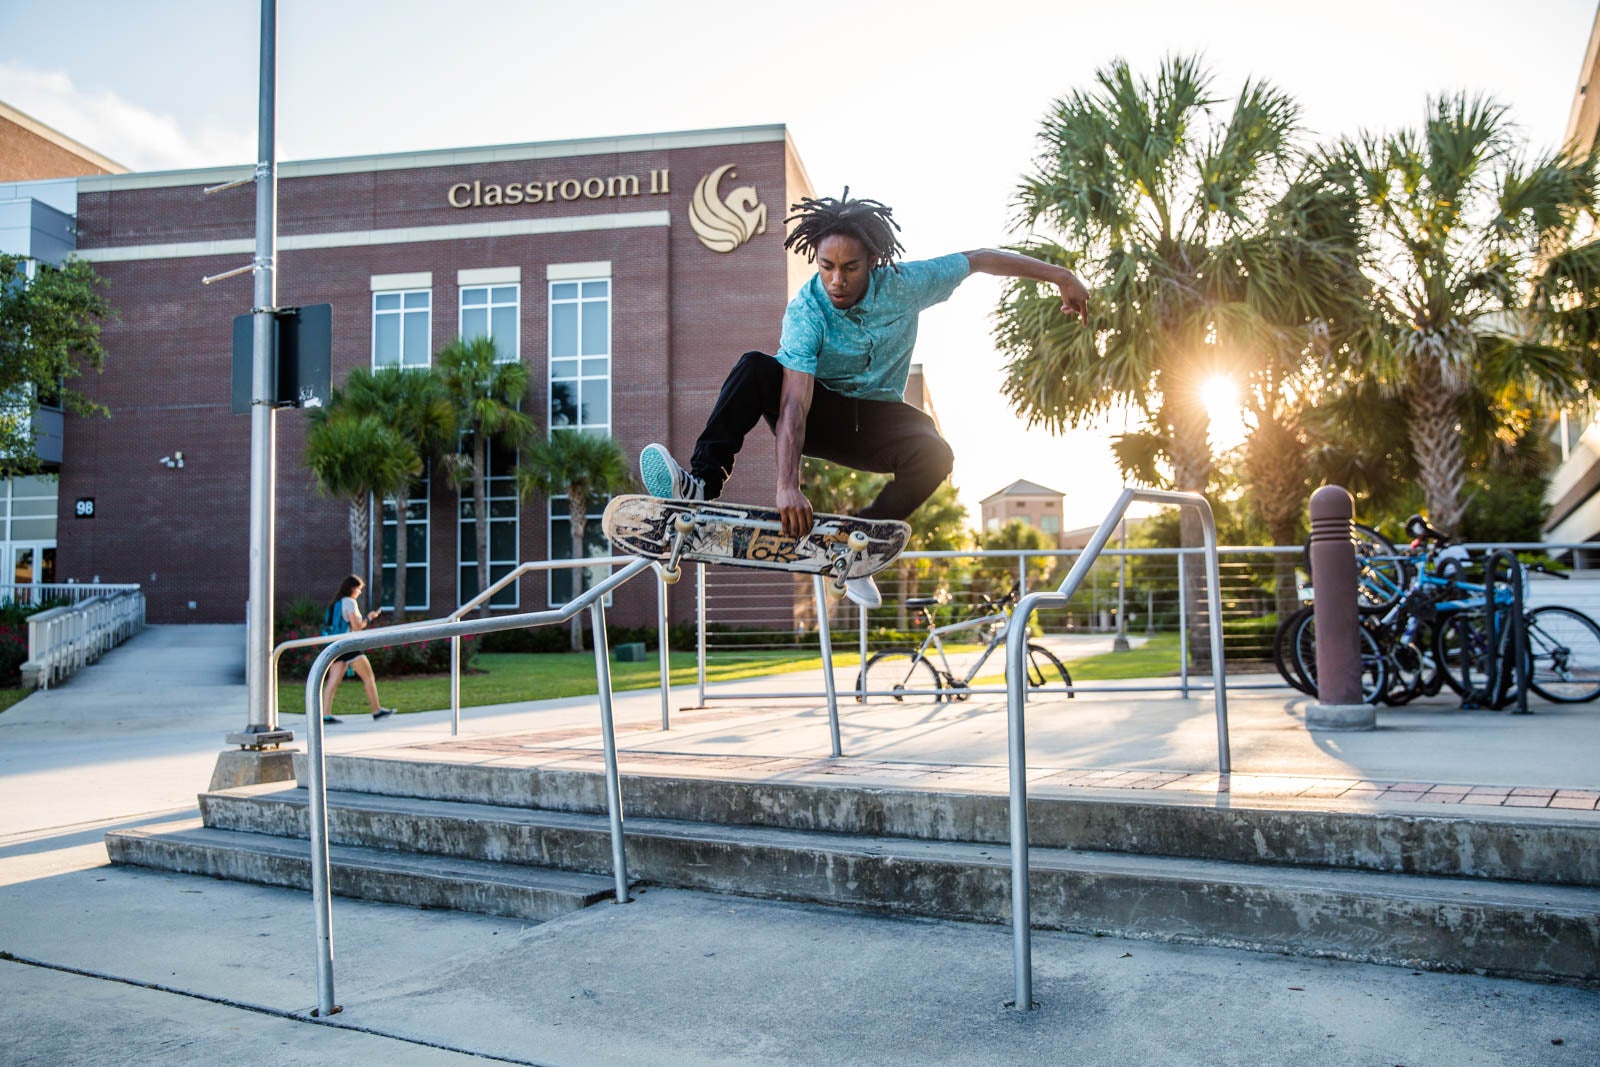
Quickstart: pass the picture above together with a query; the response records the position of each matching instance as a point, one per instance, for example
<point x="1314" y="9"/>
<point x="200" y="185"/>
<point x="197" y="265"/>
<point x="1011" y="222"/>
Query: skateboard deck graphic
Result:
<point x="748" y="535"/>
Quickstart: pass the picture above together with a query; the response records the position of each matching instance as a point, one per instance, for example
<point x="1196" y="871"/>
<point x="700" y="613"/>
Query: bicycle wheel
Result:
<point x="1045" y="670"/>
<point x="1564" y="647"/>
<point x="1461" y="644"/>
<point x="1283" y="656"/>
<point x="890" y="672"/>
<point x="1374" y="667"/>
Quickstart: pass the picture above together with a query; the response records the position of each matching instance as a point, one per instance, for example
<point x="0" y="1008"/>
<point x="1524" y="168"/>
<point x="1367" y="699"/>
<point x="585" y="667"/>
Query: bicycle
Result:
<point x="910" y="673"/>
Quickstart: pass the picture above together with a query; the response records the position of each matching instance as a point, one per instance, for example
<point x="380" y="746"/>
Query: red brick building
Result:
<point x="626" y="273"/>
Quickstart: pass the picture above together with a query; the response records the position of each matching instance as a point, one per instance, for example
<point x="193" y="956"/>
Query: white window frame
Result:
<point x="426" y="522"/>
<point x="597" y="573"/>
<point x="403" y="285"/>
<point x="489" y="280"/>
<point x="464" y="499"/>
<point x="580" y="274"/>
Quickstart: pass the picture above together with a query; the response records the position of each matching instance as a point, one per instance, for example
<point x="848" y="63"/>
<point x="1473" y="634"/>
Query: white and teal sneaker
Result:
<point x="663" y="477"/>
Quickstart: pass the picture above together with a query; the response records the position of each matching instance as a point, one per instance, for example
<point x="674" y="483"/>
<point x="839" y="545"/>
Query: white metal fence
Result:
<point x="62" y="640"/>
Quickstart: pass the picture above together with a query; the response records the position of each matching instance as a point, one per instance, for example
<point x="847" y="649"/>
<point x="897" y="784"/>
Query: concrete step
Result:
<point x="1547" y="848"/>
<point x="376" y="874"/>
<point x="1497" y="927"/>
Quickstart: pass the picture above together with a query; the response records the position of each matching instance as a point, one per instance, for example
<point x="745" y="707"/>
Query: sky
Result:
<point x="931" y="106"/>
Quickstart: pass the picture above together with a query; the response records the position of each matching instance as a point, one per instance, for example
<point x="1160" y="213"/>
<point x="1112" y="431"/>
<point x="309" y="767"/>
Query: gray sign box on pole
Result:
<point x="305" y="356"/>
<point x="302" y="354"/>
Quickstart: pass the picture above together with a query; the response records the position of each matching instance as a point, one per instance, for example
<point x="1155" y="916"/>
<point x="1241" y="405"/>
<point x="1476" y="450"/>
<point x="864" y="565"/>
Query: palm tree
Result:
<point x="581" y="466"/>
<point x="1458" y="221"/>
<point x="485" y="394"/>
<point x="358" y="457"/>
<point x="415" y="405"/>
<point x="1195" y="231"/>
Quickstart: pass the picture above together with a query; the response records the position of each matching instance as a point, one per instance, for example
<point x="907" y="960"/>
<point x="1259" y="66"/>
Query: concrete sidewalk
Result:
<point x="120" y="965"/>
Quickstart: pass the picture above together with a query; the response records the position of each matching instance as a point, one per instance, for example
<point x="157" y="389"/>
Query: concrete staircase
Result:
<point x="1465" y="889"/>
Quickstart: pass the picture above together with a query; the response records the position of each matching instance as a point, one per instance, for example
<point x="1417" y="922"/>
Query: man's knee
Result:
<point x="941" y="459"/>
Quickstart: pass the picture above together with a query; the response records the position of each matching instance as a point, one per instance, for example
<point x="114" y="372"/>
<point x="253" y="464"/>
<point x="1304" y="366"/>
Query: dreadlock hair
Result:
<point x="867" y="221"/>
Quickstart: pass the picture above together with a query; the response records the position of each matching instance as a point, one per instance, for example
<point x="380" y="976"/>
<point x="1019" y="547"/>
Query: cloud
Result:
<point x="134" y="136"/>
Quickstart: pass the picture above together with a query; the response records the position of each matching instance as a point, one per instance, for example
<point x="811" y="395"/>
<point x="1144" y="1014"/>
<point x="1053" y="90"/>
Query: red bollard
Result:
<point x="1333" y="566"/>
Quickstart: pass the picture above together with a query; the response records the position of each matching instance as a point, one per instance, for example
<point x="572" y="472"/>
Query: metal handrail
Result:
<point x="593" y="599"/>
<point x="519" y="571"/>
<point x="1016" y="675"/>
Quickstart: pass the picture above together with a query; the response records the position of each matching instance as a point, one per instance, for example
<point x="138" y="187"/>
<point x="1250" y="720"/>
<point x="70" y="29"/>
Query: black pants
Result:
<point x="884" y="437"/>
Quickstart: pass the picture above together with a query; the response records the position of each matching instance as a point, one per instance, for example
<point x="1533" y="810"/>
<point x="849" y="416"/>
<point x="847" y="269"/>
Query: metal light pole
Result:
<point x="263" y="422"/>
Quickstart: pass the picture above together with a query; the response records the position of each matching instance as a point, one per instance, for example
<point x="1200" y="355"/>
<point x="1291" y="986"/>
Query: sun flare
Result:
<point x="1220" y="395"/>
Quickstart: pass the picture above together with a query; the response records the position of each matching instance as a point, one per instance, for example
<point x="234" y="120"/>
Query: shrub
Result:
<point x="13" y="654"/>
<point x="302" y="617"/>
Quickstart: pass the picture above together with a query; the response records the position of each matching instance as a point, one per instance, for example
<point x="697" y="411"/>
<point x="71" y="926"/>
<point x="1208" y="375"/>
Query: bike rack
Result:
<point x="316" y="784"/>
<point x="1016" y="646"/>
<point x="1519" y="631"/>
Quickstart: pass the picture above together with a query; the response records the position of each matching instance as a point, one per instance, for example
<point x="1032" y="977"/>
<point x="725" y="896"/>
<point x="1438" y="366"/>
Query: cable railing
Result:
<point x="592" y="599"/>
<point x="1016" y="686"/>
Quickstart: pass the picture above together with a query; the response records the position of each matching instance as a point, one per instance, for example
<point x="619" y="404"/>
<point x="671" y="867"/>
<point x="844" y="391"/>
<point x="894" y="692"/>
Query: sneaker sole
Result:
<point x="657" y="474"/>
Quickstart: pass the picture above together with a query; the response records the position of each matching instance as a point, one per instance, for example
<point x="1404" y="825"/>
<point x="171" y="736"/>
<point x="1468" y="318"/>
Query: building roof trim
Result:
<point x="1022" y="487"/>
<point x="443" y="157"/>
<point x="468" y="231"/>
<point x="59" y="139"/>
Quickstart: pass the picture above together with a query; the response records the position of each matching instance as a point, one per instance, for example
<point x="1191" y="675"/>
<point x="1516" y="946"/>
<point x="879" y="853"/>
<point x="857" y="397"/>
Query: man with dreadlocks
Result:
<point x="835" y="389"/>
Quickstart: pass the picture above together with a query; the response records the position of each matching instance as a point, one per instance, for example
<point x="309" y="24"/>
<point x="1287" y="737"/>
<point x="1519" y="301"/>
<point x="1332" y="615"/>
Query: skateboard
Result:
<point x="748" y="535"/>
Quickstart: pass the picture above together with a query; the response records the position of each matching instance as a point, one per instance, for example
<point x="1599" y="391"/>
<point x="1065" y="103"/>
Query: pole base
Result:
<point x="236" y="767"/>
<point x="1341" y="717"/>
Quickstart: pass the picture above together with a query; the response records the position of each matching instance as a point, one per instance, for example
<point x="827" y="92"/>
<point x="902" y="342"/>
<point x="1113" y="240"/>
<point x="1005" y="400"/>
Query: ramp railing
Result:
<point x="1016" y="692"/>
<point x="409" y="633"/>
<point x="63" y="640"/>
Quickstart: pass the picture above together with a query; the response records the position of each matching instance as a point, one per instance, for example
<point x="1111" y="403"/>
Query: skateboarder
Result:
<point x="836" y="388"/>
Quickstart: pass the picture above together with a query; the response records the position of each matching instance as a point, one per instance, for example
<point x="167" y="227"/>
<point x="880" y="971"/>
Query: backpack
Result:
<point x="334" y="622"/>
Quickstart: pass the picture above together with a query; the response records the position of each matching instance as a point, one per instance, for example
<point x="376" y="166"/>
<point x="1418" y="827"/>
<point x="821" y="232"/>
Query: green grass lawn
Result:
<point x="1156" y="658"/>
<point x="9" y="697"/>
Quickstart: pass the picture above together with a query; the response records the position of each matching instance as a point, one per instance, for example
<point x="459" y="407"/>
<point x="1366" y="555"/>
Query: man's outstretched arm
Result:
<point x="1074" y="297"/>
<point x="794" y="404"/>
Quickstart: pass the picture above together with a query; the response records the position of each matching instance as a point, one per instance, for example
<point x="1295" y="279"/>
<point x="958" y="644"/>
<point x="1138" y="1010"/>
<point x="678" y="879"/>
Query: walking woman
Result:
<point x="344" y="616"/>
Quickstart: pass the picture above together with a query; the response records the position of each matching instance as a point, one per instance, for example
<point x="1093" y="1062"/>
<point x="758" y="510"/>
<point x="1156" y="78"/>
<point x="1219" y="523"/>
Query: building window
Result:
<point x="28" y="530"/>
<point x="402" y="322"/>
<point x="417" y="508"/>
<point x="504" y="530"/>
<point x="562" y="588"/>
<point x="1050" y="524"/>
<point x="580" y="354"/>
<point x="491" y="311"/>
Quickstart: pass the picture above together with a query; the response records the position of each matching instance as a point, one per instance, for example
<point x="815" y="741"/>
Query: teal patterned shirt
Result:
<point x="865" y="351"/>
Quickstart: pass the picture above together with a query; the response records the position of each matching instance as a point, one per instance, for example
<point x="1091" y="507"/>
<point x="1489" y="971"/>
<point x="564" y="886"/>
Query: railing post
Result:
<point x="455" y="686"/>
<point x="663" y="630"/>
<point x="700" y="632"/>
<point x="1338" y="635"/>
<point x="602" y="670"/>
<point x="1183" y="626"/>
<point x="826" y="641"/>
<point x="317" y="815"/>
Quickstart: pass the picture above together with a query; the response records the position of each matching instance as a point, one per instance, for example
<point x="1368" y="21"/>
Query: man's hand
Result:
<point x="795" y="510"/>
<point x="1075" y="299"/>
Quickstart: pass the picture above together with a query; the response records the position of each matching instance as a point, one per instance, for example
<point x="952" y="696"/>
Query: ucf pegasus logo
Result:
<point x="723" y="225"/>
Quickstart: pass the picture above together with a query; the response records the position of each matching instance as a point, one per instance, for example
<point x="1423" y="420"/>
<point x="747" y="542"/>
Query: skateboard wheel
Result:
<point x="857" y="541"/>
<point x="670" y="575"/>
<point x="683" y="522"/>
<point x="837" y="585"/>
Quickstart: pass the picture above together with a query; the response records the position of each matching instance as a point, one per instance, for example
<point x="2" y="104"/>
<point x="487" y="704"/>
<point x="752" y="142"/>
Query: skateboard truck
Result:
<point x="841" y="560"/>
<point x="682" y="523"/>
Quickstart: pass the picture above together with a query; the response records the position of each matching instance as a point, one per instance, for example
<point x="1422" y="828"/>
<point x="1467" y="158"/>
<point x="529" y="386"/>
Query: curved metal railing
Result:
<point x="316" y="785"/>
<point x="1016" y="691"/>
